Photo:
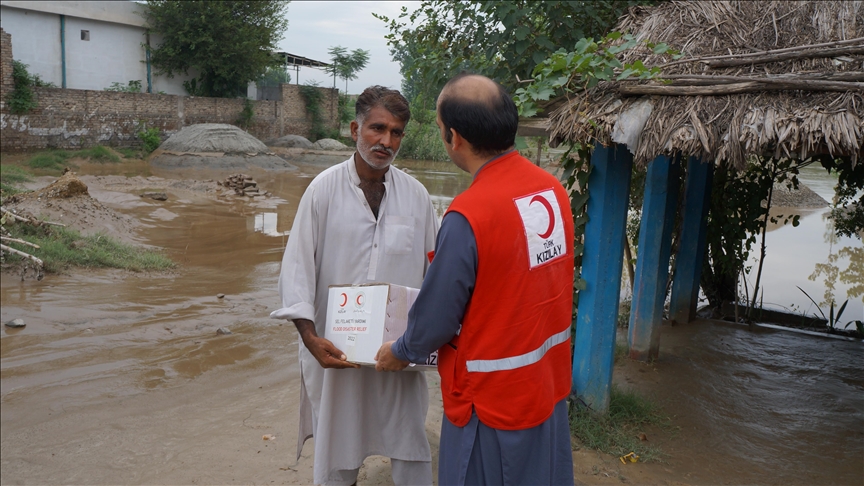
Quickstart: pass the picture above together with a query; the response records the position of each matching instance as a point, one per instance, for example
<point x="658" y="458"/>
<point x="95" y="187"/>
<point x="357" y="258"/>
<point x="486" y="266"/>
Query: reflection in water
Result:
<point x="266" y="223"/>
<point x="829" y="268"/>
<point x="811" y="256"/>
<point x="854" y="272"/>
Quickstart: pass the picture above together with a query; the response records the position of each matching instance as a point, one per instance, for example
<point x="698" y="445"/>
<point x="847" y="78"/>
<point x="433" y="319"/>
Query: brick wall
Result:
<point x="68" y="118"/>
<point x="6" y="84"/>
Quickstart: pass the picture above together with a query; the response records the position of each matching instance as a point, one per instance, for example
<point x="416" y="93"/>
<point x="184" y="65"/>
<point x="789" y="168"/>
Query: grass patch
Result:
<point x="62" y="247"/>
<point x="49" y="160"/>
<point x="621" y="352"/>
<point x="99" y="153"/>
<point x="129" y="153"/>
<point x="617" y="432"/>
<point x="52" y="160"/>
<point x="10" y="177"/>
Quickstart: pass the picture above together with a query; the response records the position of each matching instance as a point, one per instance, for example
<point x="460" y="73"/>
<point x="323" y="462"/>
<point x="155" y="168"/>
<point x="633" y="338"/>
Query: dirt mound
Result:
<point x="78" y="211"/>
<point x="803" y="197"/>
<point x="290" y="141"/>
<point x="213" y="137"/>
<point x="68" y="185"/>
<point x="329" y="144"/>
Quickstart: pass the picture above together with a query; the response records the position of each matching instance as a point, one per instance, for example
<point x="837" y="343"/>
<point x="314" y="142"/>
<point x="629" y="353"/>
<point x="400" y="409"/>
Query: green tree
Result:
<point x="274" y="76"/>
<point x="228" y="43"/>
<point x="848" y="212"/>
<point x="346" y="64"/>
<point x="502" y="40"/>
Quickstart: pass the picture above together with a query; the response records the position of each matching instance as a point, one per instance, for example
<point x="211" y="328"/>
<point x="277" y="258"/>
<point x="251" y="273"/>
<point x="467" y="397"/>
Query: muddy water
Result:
<point x="122" y="378"/>
<point x="758" y="407"/>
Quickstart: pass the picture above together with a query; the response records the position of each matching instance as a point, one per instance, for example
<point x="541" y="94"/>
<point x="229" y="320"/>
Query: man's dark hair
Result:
<point x="488" y="125"/>
<point x="390" y="99"/>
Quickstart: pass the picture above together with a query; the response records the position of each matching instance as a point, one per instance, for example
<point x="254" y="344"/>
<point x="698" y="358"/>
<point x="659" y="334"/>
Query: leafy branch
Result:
<point x="568" y="72"/>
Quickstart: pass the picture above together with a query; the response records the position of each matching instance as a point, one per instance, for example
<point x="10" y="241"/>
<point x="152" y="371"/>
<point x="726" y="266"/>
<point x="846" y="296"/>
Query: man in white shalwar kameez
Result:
<point x="360" y="221"/>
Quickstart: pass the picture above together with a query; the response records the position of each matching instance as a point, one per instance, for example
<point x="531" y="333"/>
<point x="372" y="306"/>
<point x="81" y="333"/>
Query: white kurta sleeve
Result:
<point x="298" y="279"/>
<point x="431" y="228"/>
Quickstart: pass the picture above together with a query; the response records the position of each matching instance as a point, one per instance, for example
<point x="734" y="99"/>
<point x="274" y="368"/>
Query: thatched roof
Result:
<point x="770" y="121"/>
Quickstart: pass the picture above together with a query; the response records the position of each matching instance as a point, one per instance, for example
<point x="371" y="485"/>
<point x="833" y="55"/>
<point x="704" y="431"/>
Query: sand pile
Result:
<point x="218" y="146"/>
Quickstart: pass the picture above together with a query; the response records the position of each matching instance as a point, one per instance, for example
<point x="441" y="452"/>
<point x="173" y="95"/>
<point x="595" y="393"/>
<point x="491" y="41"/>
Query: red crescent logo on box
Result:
<point x="542" y="200"/>
<point x="360" y="300"/>
<point x="344" y="299"/>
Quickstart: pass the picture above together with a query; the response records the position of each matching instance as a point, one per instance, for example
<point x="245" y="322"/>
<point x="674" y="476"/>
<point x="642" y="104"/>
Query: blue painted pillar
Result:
<point x="652" y="263"/>
<point x="691" y="248"/>
<point x="596" y="321"/>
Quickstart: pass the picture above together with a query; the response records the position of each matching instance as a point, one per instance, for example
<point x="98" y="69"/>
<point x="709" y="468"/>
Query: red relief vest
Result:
<point x="511" y="359"/>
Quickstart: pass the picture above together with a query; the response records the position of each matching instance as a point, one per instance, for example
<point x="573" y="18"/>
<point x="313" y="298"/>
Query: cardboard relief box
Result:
<point x="360" y="318"/>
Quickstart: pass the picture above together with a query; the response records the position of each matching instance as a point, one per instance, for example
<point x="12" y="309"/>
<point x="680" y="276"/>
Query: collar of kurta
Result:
<point x="355" y="177"/>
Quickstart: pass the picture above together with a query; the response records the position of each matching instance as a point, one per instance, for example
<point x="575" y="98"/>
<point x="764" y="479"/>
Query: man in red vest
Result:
<point x="496" y="303"/>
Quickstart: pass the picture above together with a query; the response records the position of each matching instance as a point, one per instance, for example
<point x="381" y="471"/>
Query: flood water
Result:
<point x="106" y="349"/>
<point x="811" y="256"/>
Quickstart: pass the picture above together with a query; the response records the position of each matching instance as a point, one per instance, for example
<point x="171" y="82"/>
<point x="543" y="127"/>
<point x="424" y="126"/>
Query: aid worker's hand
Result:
<point x="386" y="361"/>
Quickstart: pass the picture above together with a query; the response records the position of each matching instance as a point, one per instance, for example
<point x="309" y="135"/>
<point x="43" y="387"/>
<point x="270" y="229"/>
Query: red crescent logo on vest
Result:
<point x="344" y="299"/>
<point x="542" y="200"/>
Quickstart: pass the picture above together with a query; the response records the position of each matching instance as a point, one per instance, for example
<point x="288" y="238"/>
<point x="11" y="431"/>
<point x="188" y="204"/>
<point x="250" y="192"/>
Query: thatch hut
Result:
<point x="773" y="78"/>
<point x="769" y="78"/>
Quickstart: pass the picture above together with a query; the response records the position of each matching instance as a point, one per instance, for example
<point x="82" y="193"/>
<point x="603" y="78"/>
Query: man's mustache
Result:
<point x="381" y="147"/>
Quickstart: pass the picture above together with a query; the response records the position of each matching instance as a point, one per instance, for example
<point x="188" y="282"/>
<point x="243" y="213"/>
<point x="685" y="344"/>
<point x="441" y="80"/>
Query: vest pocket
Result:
<point x="398" y="235"/>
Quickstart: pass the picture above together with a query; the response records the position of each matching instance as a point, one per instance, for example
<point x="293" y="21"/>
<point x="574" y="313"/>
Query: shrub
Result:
<point x="422" y="139"/>
<point x="246" y="114"/>
<point x="313" y="97"/>
<point x="134" y="86"/>
<point x="151" y="138"/>
<point x="422" y="142"/>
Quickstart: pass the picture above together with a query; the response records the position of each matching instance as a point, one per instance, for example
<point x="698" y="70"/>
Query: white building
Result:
<point x="86" y="44"/>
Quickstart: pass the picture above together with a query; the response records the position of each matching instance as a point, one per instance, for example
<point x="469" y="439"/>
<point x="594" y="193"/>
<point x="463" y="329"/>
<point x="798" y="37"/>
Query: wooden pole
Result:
<point x="21" y="253"/>
<point x="762" y="53"/>
<point x="737" y="88"/>
<point x="786" y="56"/>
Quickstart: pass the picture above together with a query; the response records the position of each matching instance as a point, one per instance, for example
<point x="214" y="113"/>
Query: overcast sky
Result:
<point x="315" y="26"/>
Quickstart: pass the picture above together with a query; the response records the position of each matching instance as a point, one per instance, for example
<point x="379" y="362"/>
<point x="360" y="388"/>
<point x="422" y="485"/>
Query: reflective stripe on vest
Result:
<point x="531" y="357"/>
